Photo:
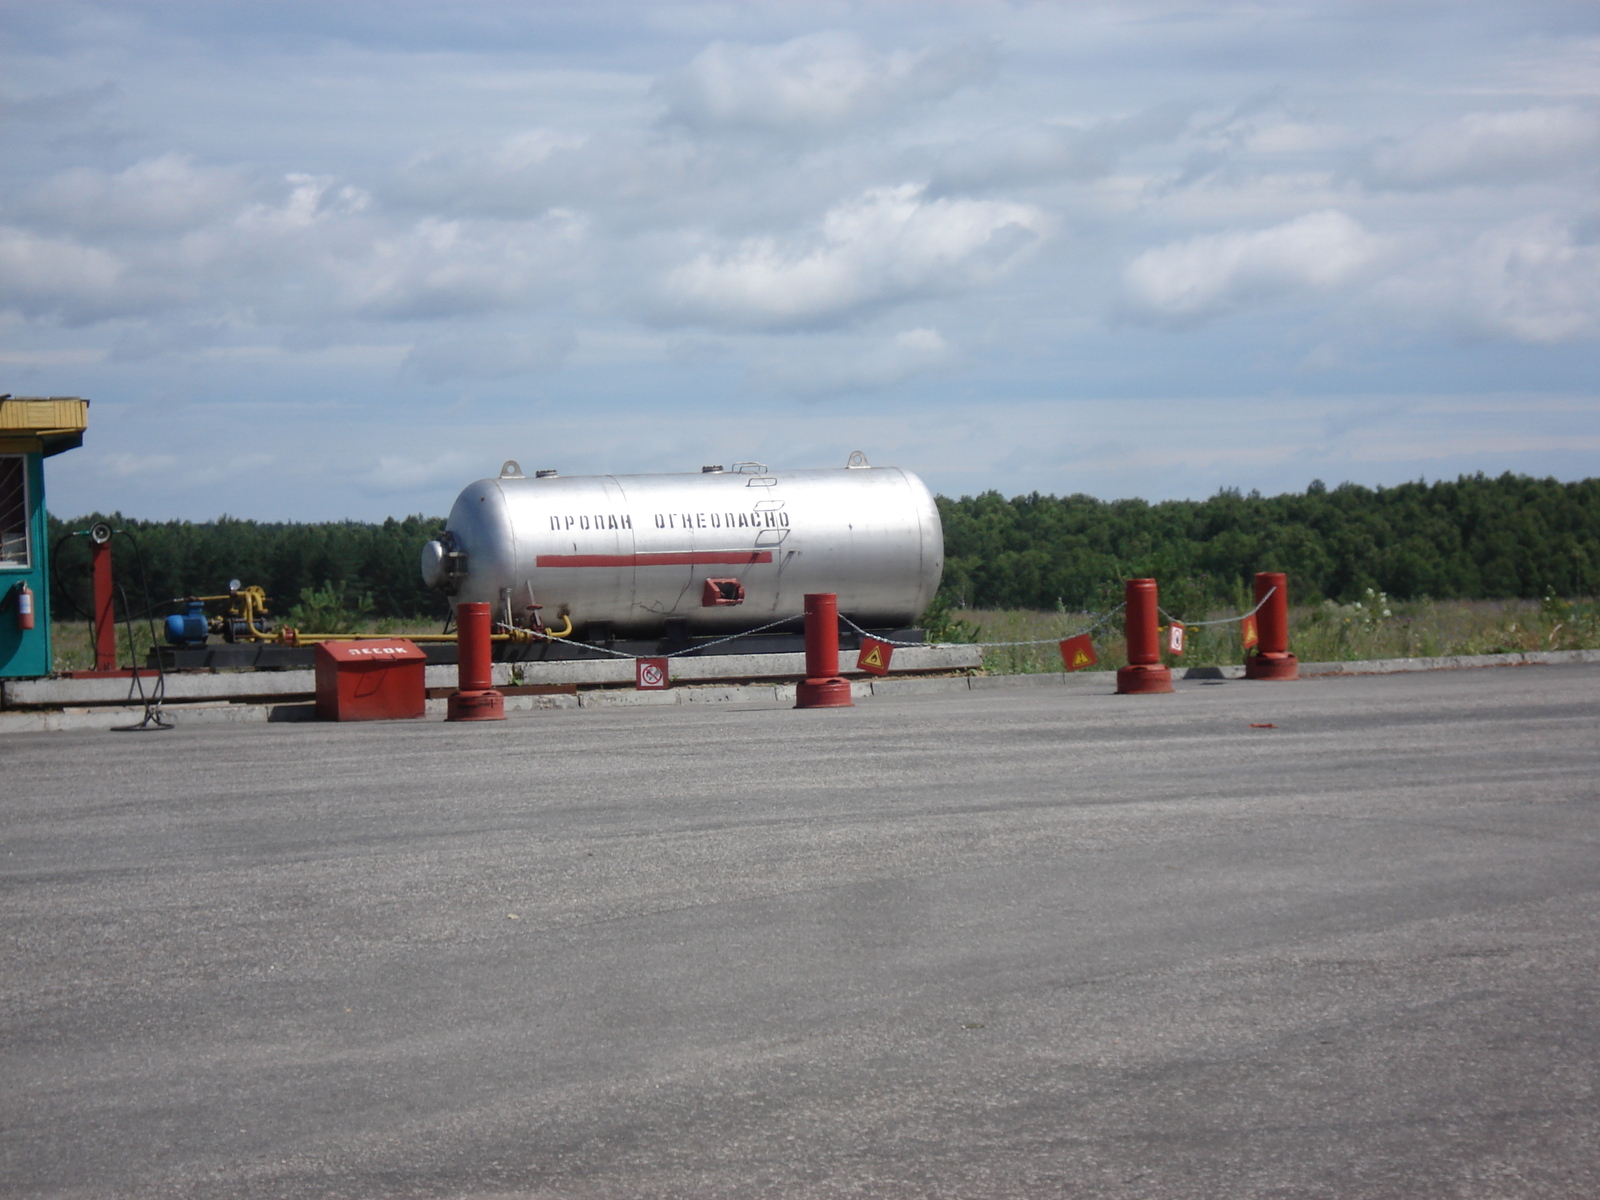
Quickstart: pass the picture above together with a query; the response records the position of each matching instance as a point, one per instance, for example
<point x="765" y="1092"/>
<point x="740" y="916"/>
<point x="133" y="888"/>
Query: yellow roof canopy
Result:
<point x="42" y="424"/>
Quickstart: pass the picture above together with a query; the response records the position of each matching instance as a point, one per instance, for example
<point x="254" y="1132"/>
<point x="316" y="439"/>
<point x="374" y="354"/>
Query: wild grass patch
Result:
<point x="1372" y="627"/>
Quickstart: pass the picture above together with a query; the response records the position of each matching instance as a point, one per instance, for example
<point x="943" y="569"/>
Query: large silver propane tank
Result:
<point x="724" y="550"/>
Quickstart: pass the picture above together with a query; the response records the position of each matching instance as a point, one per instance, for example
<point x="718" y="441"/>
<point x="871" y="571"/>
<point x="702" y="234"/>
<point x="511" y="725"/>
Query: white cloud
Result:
<point x="145" y="340"/>
<point x="1207" y="276"/>
<point x="1491" y="148"/>
<point x="890" y="244"/>
<point x="313" y="253"/>
<point x="1528" y="281"/>
<point x="1023" y="155"/>
<point x="290" y="205"/>
<point x="56" y="277"/>
<point x="303" y="207"/>
<point x="822" y="81"/>
<point x="528" y="171"/>
<point x="131" y="466"/>
<point x="832" y="364"/>
<point x="1029" y="153"/>
<point x="155" y="195"/>
<point x="487" y="356"/>
<point x="440" y="268"/>
<point x="400" y="473"/>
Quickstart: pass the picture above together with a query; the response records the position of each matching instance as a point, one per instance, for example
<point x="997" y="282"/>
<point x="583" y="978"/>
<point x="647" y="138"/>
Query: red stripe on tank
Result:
<point x="669" y="558"/>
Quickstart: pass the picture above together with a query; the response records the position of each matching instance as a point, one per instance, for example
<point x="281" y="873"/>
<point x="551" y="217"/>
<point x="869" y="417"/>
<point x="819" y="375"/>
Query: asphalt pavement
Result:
<point x="1336" y="938"/>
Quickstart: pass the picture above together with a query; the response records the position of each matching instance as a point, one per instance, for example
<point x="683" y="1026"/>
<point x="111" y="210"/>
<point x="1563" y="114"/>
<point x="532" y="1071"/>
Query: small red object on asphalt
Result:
<point x="1268" y="725"/>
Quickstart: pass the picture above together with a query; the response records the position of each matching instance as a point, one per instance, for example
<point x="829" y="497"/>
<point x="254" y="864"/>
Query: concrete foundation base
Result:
<point x="823" y="693"/>
<point x="1272" y="667"/>
<point x="476" y="706"/>
<point x="1143" y="680"/>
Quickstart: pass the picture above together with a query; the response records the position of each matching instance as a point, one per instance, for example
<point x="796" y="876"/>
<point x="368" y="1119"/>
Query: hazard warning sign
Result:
<point x="1247" y="631"/>
<point x="1078" y="652"/>
<point x="650" y="674"/>
<point x="874" y="656"/>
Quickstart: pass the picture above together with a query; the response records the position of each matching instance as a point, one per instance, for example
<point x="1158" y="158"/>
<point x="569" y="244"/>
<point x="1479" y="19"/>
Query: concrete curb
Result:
<point x="268" y="686"/>
<point x="225" y="713"/>
<point x="1455" y="662"/>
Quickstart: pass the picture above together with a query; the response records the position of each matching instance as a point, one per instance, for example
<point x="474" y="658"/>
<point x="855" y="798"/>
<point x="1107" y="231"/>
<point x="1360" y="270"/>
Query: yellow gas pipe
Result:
<point x="254" y="605"/>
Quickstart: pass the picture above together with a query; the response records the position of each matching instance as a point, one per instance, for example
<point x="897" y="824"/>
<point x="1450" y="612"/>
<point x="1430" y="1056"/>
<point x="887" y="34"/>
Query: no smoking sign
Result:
<point x="650" y="674"/>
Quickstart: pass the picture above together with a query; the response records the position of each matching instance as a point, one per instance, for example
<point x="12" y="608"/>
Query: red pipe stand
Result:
<point x="822" y="688"/>
<point x="475" y="698"/>
<point x="1144" y="675"/>
<point x="1272" y="659"/>
<point x="105" y="617"/>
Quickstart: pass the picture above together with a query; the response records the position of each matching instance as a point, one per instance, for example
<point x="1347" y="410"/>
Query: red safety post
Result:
<point x="105" y="617"/>
<point x="1144" y="675"/>
<point x="822" y="687"/>
<point x="1272" y="659"/>
<point x="475" y="698"/>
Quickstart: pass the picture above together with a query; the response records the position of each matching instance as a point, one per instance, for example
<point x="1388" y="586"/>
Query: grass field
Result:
<point x="1373" y="628"/>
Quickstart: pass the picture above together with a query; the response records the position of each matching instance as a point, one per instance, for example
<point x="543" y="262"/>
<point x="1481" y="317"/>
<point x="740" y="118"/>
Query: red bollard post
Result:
<point x="1144" y="675"/>
<point x="1272" y="659"/>
<point x="475" y="698"/>
<point x="105" y="617"/>
<point x="822" y="688"/>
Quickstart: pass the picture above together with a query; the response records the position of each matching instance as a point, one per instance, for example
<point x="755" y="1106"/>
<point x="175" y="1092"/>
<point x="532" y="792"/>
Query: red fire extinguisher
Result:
<point x="24" y="607"/>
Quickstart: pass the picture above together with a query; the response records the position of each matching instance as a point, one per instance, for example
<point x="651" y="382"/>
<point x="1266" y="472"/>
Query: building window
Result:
<point x="13" y="511"/>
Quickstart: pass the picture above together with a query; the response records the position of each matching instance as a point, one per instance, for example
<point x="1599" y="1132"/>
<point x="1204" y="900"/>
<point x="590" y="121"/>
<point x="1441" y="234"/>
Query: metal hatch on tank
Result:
<point x="722" y="550"/>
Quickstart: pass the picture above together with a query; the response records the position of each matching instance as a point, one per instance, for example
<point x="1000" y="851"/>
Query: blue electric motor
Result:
<point x="189" y="627"/>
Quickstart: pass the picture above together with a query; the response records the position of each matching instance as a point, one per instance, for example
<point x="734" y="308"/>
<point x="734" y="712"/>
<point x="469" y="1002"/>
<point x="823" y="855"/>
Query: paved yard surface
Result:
<point x="1010" y="943"/>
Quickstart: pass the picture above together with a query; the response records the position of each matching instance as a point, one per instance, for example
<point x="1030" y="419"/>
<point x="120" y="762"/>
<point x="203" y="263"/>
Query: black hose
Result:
<point x="153" y="719"/>
<point x="58" y="586"/>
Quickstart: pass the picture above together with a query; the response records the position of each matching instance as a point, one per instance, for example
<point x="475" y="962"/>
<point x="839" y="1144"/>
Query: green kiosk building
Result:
<point x="31" y="430"/>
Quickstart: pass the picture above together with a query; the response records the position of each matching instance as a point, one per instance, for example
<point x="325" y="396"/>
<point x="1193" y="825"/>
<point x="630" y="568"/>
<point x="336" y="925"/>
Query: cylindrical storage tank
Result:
<point x="723" y="550"/>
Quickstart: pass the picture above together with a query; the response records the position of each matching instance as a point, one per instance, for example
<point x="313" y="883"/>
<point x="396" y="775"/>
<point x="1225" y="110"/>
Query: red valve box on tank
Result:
<point x="371" y="680"/>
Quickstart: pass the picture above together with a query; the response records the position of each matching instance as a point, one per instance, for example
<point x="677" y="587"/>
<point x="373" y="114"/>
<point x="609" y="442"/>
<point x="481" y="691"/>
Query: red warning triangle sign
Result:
<point x="1078" y="652"/>
<point x="1247" y="631"/>
<point x="874" y="657"/>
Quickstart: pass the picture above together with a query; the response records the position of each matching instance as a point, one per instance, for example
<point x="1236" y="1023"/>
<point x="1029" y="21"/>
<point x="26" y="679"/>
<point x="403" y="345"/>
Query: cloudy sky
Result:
<point x="337" y="260"/>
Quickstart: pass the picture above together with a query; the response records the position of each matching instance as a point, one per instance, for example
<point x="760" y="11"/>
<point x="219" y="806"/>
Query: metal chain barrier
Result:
<point x="1100" y="620"/>
<point x="731" y="637"/>
<point x="568" y="641"/>
<point x="571" y="641"/>
<point x="1224" y="620"/>
<point x="1049" y="641"/>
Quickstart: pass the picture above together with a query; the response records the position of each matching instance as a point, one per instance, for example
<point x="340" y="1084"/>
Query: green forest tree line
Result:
<point x="372" y="566"/>
<point x="1476" y="537"/>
